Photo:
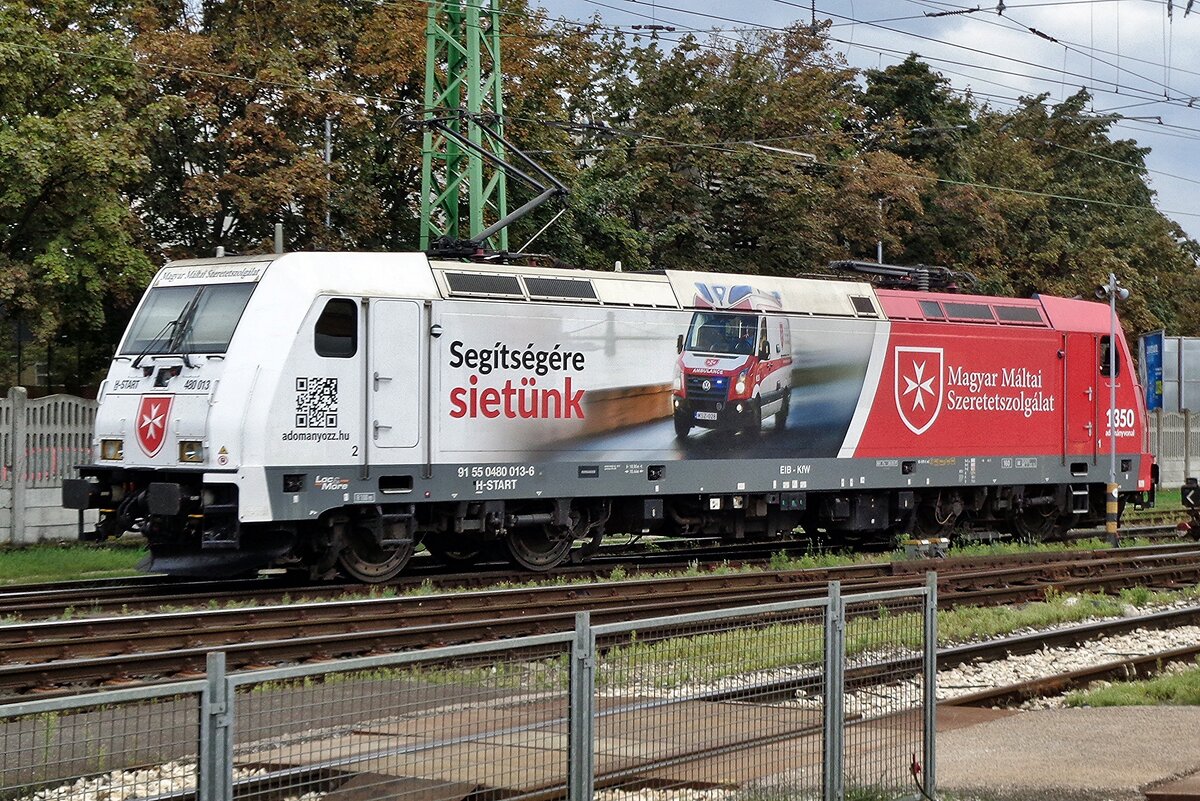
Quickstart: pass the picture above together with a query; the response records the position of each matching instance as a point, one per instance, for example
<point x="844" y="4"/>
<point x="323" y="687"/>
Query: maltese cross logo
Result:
<point x="152" y="422"/>
<point x="918" y="387"/>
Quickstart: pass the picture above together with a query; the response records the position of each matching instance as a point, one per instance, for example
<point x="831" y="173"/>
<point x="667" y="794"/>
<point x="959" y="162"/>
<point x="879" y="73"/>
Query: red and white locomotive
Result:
<point x="332" y="410"/>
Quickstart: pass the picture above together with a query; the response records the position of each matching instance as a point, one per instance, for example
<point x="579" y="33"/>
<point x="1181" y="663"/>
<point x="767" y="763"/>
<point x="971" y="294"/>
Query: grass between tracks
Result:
<point x="1180" y="688"/>
<point x="67" y="562"/>
<point x="666" y="662"/>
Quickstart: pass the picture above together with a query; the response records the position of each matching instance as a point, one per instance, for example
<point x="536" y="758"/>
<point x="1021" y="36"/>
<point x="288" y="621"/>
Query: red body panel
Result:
<point x="994" y="389"/>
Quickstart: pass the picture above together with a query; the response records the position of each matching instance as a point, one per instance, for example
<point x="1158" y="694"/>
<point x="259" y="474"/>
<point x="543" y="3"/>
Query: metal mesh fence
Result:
<point x="100" y="747"/>
<point x="486" y="725"/>
<point x="884" y="695"/>
<point x="726" y="707"/>
<point x="754" y="704"/>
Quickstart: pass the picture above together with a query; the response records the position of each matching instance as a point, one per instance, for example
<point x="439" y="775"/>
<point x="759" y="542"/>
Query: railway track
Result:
<point x="150" y="593"/>
<point x="329" y="768"/>
<point x="61" y="653"/>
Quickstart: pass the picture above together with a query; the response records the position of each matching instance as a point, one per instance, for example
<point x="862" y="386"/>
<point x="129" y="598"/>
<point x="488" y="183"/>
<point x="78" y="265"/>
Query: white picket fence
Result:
<point x="42" y="440"/>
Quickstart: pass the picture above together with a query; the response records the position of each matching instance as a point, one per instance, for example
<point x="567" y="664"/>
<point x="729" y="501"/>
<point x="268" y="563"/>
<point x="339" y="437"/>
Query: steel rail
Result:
<point x="146" y="593"/>
<point x="185" y="653"/>
<point x="29" y="642"/>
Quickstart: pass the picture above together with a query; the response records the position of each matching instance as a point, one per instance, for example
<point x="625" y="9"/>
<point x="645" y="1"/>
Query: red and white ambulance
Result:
<point x="735" y="361"/>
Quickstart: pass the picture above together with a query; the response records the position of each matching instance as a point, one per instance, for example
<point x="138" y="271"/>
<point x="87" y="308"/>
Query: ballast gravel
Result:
<point x="170" y="779"/>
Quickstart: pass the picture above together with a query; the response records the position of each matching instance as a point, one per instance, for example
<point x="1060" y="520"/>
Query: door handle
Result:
<point x="378" y="426"/>
<point x="379" y="378"/>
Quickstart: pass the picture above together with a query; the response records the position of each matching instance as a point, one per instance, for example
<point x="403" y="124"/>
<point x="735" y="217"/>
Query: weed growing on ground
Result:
<point x="1177" y="689"/>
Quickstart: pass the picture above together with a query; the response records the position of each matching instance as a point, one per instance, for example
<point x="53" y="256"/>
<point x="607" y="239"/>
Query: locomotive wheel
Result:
<point x="929" y="523"/>
<point x="365" y="560"/>
<point x="1035" y="525"/>
<point x="454" y="553"/>
<point x="537" y="548"/>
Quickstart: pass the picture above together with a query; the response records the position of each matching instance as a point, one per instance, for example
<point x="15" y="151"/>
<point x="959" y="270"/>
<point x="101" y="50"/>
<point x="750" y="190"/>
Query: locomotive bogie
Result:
<point x="343" y="412"/>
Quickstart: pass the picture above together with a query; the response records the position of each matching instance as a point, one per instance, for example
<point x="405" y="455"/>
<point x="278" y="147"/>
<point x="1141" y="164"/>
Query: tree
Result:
<point x="1080" y="207"/>
<point x="249" y="88"/>
<point x="73" y="255"/>
<point x="911" y="111"/>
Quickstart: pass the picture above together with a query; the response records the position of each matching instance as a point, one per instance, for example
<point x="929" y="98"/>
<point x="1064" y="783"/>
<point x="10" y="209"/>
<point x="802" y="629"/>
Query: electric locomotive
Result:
<point x="334" y="411"/>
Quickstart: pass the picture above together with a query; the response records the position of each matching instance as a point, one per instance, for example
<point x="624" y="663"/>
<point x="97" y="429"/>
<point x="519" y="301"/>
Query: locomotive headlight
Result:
<point x="191" y="450"/>
<point x="112" y="450"/>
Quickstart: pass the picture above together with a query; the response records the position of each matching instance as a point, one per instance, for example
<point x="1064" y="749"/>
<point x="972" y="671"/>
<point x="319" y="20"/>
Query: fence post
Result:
<point x="1187" y="444"/>
<point x="1158" y="436"/>
<point x="581" y="775"/>
<point x="214" y="781"/>
<point x="833" y="768"/>
<point x="18" y="396"/>
<point x="931" y="650"/>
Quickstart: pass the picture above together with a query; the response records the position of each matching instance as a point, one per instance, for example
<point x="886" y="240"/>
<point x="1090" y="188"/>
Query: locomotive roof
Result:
<point x="675" y="289"/>
<point x="377" y="273"/>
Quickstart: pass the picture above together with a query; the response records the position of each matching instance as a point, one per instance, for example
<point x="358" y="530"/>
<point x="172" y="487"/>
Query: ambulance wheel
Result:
<point x="781" y="416"/>
<point x="364" y="559"/>
<point x="682" y="425"/>
<point x="752" y="422"/>
<point x="538" y="548"/>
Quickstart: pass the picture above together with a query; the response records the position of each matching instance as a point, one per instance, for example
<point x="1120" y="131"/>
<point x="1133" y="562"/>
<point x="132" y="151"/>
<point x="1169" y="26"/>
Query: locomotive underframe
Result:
<point x="192" y="523"/>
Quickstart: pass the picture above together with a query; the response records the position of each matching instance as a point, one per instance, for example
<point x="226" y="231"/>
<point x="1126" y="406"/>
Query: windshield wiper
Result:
<point x="183" y="327"/>
<point x="137" y="361"/>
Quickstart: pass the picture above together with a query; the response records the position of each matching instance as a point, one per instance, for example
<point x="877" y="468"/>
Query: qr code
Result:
<point x="316" y="403"/>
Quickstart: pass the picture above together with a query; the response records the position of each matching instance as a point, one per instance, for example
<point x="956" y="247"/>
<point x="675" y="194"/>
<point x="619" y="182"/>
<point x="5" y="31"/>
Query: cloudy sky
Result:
<point x="1135" y="58"/>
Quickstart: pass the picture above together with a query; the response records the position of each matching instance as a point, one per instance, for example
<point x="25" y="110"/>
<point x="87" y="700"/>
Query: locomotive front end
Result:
<point x="155" y="455"/>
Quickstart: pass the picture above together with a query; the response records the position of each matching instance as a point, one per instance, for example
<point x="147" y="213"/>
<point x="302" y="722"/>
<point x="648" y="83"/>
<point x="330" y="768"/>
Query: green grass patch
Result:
<point x="1178" y="689"/>
<point x="66" y="563"/>
<point x="966" y="624"/>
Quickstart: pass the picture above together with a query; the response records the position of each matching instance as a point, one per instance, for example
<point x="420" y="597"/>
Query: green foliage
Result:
<point x="72" y="141"/>
<point x="61" y="563"/>
<point x="180" y="127"/>
<point x="1179" y="689"/>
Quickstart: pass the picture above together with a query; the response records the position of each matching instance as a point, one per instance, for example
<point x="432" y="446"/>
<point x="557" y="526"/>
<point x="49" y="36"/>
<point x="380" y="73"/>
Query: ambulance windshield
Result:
<point x="712" y="332"/>
<point x="187" y="319"/>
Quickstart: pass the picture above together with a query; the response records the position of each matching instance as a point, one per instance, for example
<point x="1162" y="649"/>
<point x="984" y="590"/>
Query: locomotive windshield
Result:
<point x="187" y="319"/>
<point x="713" y="332"/>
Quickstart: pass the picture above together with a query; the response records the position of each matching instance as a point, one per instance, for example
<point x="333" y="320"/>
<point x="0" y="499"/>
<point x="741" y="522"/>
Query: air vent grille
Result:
<point x="1019" y="314"/>
<point x="968" y="311"/>
<point x="484" y="285"/>
<point x="863" y="306"/>
<point x="560" y="288"/>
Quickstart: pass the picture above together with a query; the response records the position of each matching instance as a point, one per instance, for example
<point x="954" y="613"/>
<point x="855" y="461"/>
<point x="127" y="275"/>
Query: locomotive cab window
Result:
<point x="336" y="333"/>
<point x="198" y="318"/>
<point x="1106" y="356"/>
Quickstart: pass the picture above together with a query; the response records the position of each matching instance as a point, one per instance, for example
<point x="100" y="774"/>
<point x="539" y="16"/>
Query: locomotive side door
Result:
<point x="394" y="376"/>
<point x="1081" y="385"/>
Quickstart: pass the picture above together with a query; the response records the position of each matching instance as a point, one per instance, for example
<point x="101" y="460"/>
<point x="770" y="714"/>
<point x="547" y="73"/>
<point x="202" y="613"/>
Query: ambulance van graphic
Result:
<point x="735" y="362"/>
